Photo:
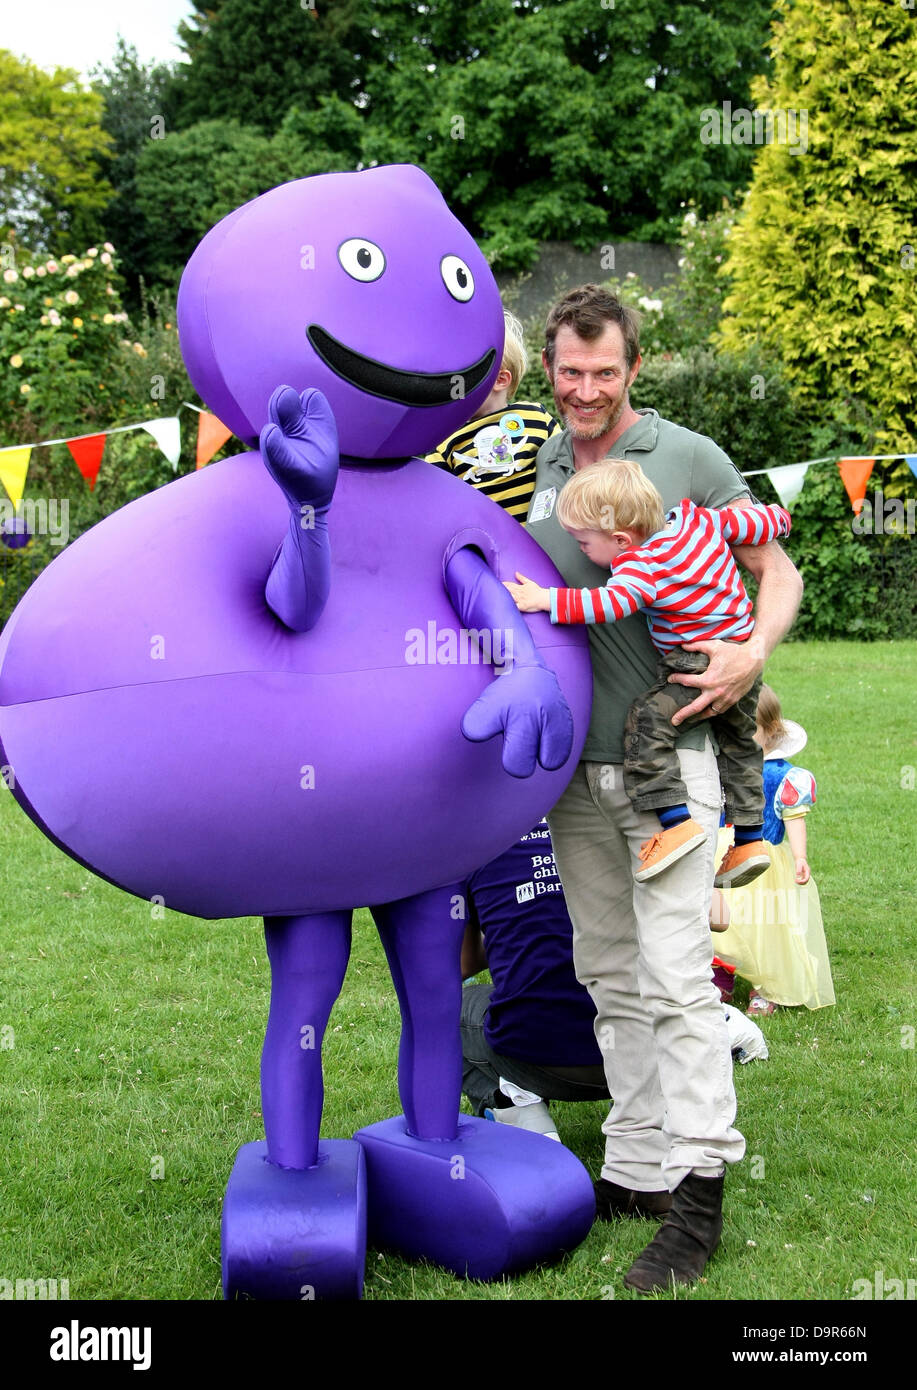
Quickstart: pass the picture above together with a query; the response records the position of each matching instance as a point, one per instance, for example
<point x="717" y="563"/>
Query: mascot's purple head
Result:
<point x="363" y="285"/>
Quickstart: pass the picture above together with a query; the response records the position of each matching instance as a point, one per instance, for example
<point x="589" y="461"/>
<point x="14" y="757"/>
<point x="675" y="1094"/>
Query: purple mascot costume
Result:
<point x="293" y="704"/>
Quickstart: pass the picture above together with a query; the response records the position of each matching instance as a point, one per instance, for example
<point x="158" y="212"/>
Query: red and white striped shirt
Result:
<point x="684" y="576"/>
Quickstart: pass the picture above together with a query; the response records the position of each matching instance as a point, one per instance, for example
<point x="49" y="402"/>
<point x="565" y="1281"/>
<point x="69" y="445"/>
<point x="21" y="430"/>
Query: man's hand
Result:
<point x="734" y="668"/>
<point x="528" y="596"/>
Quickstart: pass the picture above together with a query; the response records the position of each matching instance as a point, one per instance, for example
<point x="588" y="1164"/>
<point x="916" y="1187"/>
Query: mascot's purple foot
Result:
<point x="295" y="1233"/>
<point x="490" y="1202"/>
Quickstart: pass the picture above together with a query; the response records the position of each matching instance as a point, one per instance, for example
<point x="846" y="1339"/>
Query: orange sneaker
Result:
<point x="741" y="864"/>
<point x="668" y="846"/>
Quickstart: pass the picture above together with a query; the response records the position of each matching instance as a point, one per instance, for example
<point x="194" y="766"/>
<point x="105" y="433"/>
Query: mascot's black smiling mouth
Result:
<point x="404" y="388"/>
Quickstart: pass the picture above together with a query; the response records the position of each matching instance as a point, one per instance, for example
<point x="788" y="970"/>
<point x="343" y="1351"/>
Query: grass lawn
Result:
<point x="130" y="1047"/>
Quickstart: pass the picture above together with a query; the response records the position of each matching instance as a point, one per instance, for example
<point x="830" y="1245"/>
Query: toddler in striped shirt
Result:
<point x="679" y="569"/>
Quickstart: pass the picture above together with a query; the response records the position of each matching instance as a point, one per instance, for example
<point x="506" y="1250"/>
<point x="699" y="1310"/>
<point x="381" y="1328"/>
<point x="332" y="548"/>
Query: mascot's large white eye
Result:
<point x="361" y="258"/>
<point x="457" y="278"/>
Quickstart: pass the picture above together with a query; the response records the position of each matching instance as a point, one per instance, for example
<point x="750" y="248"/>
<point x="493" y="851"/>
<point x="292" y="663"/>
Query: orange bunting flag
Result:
<point x="855" y="475"/>
<point x="87" y="455"/>
<point x="212" y="434"/>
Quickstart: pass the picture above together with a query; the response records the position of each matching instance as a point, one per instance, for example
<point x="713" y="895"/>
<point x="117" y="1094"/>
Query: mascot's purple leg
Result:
<point x="308" y="957"/>
<point x="482" y="1199"/>
<point x="294" y="1215"/>
<point x="422" y="938"/>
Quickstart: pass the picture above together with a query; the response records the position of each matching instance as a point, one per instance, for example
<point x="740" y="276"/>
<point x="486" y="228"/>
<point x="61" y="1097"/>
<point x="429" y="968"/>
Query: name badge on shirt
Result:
<point x="543" y="504"/>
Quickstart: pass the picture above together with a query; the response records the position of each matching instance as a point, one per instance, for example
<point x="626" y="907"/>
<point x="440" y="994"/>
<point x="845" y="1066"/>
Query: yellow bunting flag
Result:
<point x="87" y="455"/>
<point x="14" y="465"/>
<point x="855" y="475"/>
<point x="212" y="434"/>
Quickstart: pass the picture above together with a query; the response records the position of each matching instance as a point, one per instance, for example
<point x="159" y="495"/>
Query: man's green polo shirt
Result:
<point x="680" y="464"/>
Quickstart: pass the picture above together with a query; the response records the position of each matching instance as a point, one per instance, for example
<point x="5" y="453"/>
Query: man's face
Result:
<point x="590" y="380"/>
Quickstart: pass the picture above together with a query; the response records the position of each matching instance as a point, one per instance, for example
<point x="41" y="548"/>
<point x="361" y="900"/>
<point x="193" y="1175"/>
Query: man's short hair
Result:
<point x="588" y="310"/>
<point x="515" y="357"/>
<point x="611" y="495"/>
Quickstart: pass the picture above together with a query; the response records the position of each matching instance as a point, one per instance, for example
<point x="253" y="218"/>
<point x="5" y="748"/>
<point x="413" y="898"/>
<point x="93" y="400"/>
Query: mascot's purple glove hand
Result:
<point x="300" y="448"/>
<point x="528" y="706"/>
<point x="525" y="702"/>
<point x="300" y="451"/>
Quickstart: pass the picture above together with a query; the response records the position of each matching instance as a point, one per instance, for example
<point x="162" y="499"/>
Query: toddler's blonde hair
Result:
<point x="770" y="719"/>
<point x="611" y="495"/>
<point x="515" y="357"/>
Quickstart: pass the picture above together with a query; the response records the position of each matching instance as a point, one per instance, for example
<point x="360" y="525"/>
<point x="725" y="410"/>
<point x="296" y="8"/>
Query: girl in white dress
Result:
<point x="775" y="936"/>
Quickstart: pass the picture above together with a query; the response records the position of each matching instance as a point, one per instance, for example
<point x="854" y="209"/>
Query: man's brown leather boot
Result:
<point x="687" y="1238"/>
<point x="612" y="1201"/>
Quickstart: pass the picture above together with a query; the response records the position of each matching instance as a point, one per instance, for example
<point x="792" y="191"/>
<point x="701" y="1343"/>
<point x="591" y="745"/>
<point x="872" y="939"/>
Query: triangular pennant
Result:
<point x="787" y="481"/>
<point x="912" y="463"/>
<point x="855" y="474"/>
<point x="87" y="455"/>
<point x="212" y="434"/>
<point x="167" y="433"/>
<point x="14" y="465"/>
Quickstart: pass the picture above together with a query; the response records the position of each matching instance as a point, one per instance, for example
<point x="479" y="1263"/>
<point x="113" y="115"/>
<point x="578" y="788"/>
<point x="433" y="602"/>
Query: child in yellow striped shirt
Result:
<point x="496" y="450"/>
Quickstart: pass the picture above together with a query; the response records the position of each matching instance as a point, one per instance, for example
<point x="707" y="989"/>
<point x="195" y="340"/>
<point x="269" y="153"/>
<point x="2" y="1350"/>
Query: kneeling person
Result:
<point x="530" y="1036"/>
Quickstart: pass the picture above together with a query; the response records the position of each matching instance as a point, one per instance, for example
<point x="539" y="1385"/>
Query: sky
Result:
<point x="64" y="33"/>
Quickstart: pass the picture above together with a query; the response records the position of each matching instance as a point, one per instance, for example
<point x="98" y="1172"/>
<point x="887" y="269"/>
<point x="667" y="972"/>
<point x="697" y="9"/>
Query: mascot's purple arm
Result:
<point x="526" y="702"/>
<point x="421" y="937"/>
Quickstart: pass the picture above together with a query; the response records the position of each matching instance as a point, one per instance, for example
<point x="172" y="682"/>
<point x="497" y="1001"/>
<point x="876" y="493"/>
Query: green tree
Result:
<point x="321" y="138"/>
<point x="251" y="60"/>
<point x="824" y="254"/>
<point x="190" y="179"/>
<point x="137" y="108"/>
<point x="658" y="66"/>
<point x="563" y="119"/>
<point x="51" y="144"/>
<point x="556" y="119"/>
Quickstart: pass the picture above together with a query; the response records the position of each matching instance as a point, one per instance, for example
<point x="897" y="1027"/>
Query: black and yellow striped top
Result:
<point x="496" y="453"/>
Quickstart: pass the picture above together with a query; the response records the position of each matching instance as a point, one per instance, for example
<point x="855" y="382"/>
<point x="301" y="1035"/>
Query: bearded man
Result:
<point x="643" y="950"/>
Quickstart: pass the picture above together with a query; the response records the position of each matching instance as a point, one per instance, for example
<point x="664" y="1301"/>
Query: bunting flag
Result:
<point x="166" y="430"/>
<point x="855" y="473"/>
<point x="212" y="434"/>
<point x="912" y="463"/>
<point x="87" y="455"/>
<point x="787" y="481"/>
<point x="14" y="465"/>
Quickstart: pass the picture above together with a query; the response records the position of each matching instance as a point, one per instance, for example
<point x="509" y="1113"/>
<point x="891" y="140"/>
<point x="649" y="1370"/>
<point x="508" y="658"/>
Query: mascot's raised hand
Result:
<point x="300" y="450"/>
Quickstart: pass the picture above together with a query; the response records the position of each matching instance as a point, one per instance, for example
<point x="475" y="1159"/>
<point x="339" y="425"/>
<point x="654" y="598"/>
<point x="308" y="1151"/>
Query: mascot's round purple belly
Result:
<point x="168" y="732"/>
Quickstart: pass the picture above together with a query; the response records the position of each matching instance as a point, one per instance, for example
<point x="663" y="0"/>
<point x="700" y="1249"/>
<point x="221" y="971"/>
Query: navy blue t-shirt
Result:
<point x="538" y="1012"/>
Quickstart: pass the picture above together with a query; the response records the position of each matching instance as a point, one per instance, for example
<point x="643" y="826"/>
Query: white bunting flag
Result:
<point x="167" y="433"/>
<point x="787" y="481"/>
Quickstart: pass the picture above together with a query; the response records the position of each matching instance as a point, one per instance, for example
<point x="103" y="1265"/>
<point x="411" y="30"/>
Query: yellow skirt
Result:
<point x="775" y="936"/>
